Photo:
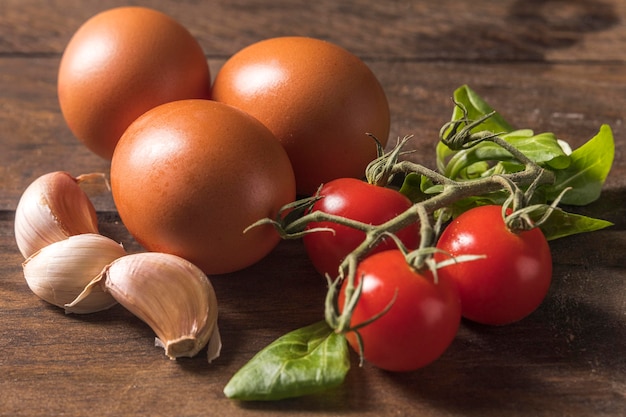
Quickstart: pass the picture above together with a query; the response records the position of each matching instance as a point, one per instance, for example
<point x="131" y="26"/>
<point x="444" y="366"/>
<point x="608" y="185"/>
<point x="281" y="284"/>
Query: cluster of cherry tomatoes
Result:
<point x="418" y="311"/>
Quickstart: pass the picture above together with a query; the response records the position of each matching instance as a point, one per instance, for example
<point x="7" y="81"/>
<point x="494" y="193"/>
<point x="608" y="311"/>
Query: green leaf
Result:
<point x="476" y="108"/>
<point x="418" y="188"/>
<point x="543" y="149"/>
<point x="589" y="167"/>
<point x="584" y="170"/>
<point x="561" y="224"/>
<point x="302" y="362"/>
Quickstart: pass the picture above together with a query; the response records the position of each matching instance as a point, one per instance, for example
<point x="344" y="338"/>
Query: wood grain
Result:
<point x="550" y="65"/>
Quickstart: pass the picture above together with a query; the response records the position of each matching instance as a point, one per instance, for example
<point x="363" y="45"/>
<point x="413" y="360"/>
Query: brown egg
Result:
<point x="188" y="177"/>
<point x="320" y="101"/>
<point x="121" y="63"/>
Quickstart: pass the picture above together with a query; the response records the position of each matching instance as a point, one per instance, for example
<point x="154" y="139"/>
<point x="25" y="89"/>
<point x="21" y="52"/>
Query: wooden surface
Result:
<point x="550" y="65"/>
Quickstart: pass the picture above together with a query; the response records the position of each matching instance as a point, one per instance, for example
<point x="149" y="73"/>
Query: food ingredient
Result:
<point x="173" y="296"/>
<point x="415" y="317"/>
<point x="188" y="177"/>
<point x="119" y="64"/>
<point x="317" y="359"/>
<point x="513" y="278"/>
<point x="52" y="208"/>
<point x="357" y="200"/>
<point x="59" y="272"/>
<point x="320" y="101"/>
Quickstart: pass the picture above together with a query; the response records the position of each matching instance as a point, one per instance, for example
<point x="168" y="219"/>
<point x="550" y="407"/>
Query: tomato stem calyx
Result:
<point x="524" y="217"/>
<point x="381" y="170"/>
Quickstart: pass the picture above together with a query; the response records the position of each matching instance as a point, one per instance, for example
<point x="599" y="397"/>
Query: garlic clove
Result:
<point x="173" y="296"/>
<point x="59" y="272"/>
<point x="52" y="208"/>
<point x="214" y="346"/>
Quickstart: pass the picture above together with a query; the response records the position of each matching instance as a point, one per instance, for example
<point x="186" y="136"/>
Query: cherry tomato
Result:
<point x="319" y="100"/>
<point x="356" y="200"/>
<point x="421" y="323"/>
<point x="513" y="279"/>
<point x="188" y="177"/>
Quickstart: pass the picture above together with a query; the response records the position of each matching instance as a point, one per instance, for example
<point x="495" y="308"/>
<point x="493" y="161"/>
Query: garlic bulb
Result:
<point x="59" y="272"/>
<point x="52" y="208"/>
<point x="173" y="296"/>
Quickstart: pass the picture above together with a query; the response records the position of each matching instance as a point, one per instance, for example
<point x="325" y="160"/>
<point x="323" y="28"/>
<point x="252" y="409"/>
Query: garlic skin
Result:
<point x="170" y="294"/>
<point x="52" y="208"/>
<point x="59" y="272"/>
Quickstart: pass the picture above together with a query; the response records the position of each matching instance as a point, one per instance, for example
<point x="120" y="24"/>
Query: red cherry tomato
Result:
<point x="356" y="200"/>
<point x="513" y="279"/>
<point x="421" y="323"/>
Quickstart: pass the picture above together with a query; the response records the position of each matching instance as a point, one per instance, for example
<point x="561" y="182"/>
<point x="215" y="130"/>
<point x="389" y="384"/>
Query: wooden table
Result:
<point x="549" y="65"/>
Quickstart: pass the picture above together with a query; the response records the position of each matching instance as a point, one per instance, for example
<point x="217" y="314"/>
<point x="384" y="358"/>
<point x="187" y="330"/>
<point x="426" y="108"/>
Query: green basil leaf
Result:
<point x="589" y="167"/>
<point x="465" y="204"/>
<point x="543" y="149"/>
<point x="561" y="224"/>
<point x="443" y="154"/>
<point x="476" y="107"/>
<point x="302" y="362"/>
<point x="584" y="170"/>
<point x="412" y="187"/>
<point x="418" y="188"/>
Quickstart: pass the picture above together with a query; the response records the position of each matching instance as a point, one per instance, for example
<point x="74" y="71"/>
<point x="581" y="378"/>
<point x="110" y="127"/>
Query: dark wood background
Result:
<point x="549" y="65"/>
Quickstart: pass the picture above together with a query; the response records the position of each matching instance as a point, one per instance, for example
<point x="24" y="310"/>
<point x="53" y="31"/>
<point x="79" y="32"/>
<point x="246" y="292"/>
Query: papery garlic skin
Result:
<point x="52" y="208"/>
<point x="172" y="295"/>
<point x="59" y="272"/>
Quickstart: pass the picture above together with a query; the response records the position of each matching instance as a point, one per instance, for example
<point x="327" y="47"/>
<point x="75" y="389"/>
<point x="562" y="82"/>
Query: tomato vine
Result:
<point x="481" y="160"/>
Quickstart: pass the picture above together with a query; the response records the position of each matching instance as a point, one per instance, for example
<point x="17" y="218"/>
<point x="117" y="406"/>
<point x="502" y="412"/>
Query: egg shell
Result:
<point x="188" y="177"/>
<point x="320" y="100"/>
<point x="119" y="64"/>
